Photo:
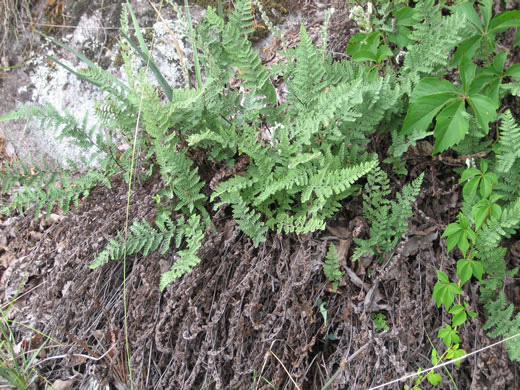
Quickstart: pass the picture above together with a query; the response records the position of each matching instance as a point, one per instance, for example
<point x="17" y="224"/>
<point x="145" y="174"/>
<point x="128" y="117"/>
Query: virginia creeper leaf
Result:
<point x="421" y="113"/>
<point x="452" y="126"/>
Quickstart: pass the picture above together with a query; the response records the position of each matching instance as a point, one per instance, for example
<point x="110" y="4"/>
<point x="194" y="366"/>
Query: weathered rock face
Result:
<point x="42" y="82"/>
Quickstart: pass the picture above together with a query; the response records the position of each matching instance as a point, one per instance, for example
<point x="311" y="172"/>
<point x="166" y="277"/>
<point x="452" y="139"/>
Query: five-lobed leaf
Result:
<point x="449" y="335"/>
<point x="434" y="378"/>
<point x="444" y="291"/>
<point x="458" y="233"/>
<point x="455" y="352"/>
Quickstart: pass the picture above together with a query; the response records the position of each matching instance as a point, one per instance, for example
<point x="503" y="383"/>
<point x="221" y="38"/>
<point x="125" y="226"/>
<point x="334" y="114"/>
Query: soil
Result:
<point x="246" y="317"/>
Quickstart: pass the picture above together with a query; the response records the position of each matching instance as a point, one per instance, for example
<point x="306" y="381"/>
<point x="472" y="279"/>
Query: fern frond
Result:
<point x="489" y="251"/>
<point x="307" y="82"/>
<point x="402" y="207"/>
<point x="331" y="267"/>
<point x="241" y="18"/>
<point x="141" y="237"/>
<point x="325" y="184"/>
<point x="44" y="188"/>
<point x="193" y="233"/>
<point x="499" y="318"/>
<point x="248" y="220"/>
<point x="434" y="38"/>
<point x="300" y="223"/>
<point x="65" y="126"/>
<point x="388" y="219"/>
<point x="241" y="54"/>
<point x="508" y="150"/>
<point x="181" y="181"/>
<point x="509" y="183"/>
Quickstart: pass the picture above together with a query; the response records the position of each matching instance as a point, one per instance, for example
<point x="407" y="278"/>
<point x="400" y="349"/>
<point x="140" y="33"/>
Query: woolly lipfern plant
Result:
<point x="41" y="187"/>
<point x="285" y="164"/>
<point x="388" y="219"/>
<point x="502" y="323"/>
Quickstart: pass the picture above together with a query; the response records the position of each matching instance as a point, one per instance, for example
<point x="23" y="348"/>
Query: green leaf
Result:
<point x="453" y="240"/>
<point x="467" y="73"/>
<point x="459" y="237"/>
<point x="434" y="378"/>
<point x="444" y="291"/>
<point x="500" y="61"/>
<point x="479" y="215"/>
<point x="404" y="18"/>
<point x="421" y="113"/>
<point x="505" y="20"/>
<point x="433" y="86"/>
<point x="470" y="13"/>
<point x="486" y="184"/>
<point x="486" y="11"/>
<point x="448" y="335"/>
<point x="401" y="37"/>
<point x="464" y="270"/>
<point x="513" y="71"/>
<point x="435" y="359"/>
<point x="443" y="277"/>
<point x="456" y="309"/>
<point x="451" y="229"/>
<point x="365" y="55"/>
<point x="452" y="125"/>
<point x="459" y="318"/>
<point x="463" y="244"/>
<point x="455" y="353"/>
<point x="484" y="108"/>
<point x="363" y="41"/>
<point x="467" y="49"/>
<point x="468" y="174"/>
<point x="477" y="269"/>
<point x="383" y="52"/>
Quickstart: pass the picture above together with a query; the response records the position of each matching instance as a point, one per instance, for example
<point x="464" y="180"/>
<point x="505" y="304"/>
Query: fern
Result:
<point x="388" y="219"/>
<point x="66" y="126"/>
<point x="508" y="149"/>
<point x="193" y="233"/>
<point x="248" y="221"/>
<point x="331" y="267"/>
<point x="490" y="253"/>
<point x="238" y="50"/>
<point x="43" y="188"/>
<point x="287" y="164"/>
<point x="140" y="237"/>
<point x="434" y="38"/>
<point x="499" y="318"/>
<point x="306" y="83"/>
<point x="509" y="184"/>
<point x="144" y="238"/>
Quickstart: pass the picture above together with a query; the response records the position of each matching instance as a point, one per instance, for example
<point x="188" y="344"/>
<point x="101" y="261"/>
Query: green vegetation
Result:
<point x="431" y="70"/>
<point x="331" y="267"/>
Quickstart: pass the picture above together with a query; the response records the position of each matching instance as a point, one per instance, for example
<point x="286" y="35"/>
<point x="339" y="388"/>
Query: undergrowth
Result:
<point x="286" y="164"/>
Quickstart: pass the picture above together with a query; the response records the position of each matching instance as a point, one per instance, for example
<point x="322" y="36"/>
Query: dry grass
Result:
<point x="15" y="21"/>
